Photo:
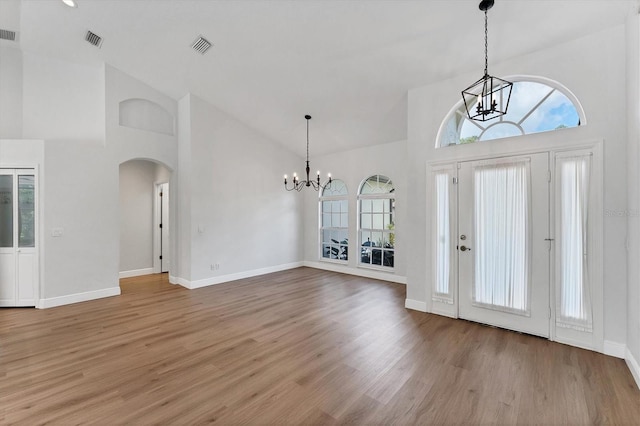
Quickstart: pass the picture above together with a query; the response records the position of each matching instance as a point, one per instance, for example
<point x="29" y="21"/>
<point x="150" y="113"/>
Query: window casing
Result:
<point x="334" y="222"/>
<point x="376" y="224"/>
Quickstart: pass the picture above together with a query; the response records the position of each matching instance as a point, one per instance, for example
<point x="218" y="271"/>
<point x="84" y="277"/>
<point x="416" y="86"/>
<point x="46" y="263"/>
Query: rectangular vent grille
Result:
<point x="201" y="45"/>
<point x="7" y="35"/>
<point x="94" y="39"/>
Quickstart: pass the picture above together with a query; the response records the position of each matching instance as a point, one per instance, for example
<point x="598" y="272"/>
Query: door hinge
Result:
<point x="160" y="257"/>
<point x="455" y="180"/>
<point x="549" y="312"/>
<point x="161" y="194"/>
<point x="160" y="226"/>
<point x="548" y="175"/>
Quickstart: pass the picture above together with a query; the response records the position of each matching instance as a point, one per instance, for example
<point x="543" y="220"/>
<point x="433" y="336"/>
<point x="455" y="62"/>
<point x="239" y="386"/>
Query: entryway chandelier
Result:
<point x="299" y="184"/>
<point x="488" y="97"/>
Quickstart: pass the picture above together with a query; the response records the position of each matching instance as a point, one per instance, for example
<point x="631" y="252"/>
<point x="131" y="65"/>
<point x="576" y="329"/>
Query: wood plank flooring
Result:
<point x="296" y="347"/>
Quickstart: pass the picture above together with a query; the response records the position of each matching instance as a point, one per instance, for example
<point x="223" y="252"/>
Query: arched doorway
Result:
<point x="145" y="230"/>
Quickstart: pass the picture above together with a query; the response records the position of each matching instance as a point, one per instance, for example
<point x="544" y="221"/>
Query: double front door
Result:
<point x="18" y="237"/>
<point x="503" y="242"/>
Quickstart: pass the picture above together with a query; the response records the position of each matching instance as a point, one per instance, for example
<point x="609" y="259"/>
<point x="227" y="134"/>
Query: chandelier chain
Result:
<point x="486" y="44"/>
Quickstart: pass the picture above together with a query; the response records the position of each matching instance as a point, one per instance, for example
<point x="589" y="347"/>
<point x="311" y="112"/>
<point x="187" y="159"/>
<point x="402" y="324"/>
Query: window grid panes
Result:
<point x="26" y="211"/>
<point x="534" y="107"/>
<point x="334" y="222"/>
<point x="6" y="211"/>
<point x="376" y="219"/>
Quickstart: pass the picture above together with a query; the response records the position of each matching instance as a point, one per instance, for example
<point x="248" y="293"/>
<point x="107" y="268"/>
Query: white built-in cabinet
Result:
<point x="18" y="237"/>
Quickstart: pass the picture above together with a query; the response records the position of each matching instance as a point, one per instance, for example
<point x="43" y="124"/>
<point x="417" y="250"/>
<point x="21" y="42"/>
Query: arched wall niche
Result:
<point x="143" y="114"/>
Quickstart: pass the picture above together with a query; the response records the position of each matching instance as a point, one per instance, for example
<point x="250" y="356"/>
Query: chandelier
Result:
<point x="299" y="184"/>
<point x="488" y="97"/>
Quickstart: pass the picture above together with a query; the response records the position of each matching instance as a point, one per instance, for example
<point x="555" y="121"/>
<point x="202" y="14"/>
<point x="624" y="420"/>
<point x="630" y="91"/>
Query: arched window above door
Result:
<point x="537" y="105"/>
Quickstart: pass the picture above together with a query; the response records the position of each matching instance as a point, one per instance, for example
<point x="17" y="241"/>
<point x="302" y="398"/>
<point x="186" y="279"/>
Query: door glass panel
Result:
<point x="442" y="231"/>
<point x="573" y="297"/>
<point x="6" y="211"/>
<point x="26" y="211"/>
<point x="501" y="196"/>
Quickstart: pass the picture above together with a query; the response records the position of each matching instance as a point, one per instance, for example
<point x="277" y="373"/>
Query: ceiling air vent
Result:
<point x="94" y="39"/>
<point x="201" y="45"/>
<point x="7" y="35"/>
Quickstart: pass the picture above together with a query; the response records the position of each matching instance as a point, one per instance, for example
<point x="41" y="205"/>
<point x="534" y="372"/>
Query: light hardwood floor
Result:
<point x="296" y="347"/>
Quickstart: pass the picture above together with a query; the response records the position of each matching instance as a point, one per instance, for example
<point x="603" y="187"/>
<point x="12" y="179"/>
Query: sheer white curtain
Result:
<point x="502" y="246"/>
<point x="573" y="299"/>
<point x="442" y="232"/>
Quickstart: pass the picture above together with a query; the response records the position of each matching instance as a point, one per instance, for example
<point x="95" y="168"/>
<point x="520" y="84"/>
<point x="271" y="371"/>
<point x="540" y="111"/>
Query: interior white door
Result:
<point x="164" y="227"/>
<point x="18" y="253"/>
<point x="503" y="246"/>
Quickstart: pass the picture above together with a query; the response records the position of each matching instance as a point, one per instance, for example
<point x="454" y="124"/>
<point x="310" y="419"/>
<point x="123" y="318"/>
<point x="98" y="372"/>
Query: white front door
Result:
<point x="18" y="235"/>
<point x="503" y="247"/>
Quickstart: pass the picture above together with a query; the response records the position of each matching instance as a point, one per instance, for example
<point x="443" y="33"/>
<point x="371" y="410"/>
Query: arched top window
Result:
<point x="536" y="105"/>
<point x="376" y="184"/>
<point x="337" y="188"/>
<point x="376" y="222"/>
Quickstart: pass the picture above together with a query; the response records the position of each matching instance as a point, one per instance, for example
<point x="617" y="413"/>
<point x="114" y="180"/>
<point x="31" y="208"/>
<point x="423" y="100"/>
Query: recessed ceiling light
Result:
<point x="70" y="3"/>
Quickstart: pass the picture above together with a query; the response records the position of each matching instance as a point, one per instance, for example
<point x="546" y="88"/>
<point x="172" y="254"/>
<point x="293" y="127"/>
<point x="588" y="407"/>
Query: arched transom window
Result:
<point x="334" y="222"/>
<point x="534" y="107"/>
<point x="376" y="232"/>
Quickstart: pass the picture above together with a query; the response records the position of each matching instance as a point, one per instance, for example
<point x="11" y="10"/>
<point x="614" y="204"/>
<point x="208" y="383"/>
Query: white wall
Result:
<point x="353" y="167"/>
<point x="62" y="100"/>
<point x="81" y="197"/>
<point x="11" y="93"/>
<point x="126" y="143"/>
<point x="241" y="218"/>
<point x="137" y="195"/>
<point x="633" y="194"/>
<point x="589" y="67"/>
<point x="183" y="226"/>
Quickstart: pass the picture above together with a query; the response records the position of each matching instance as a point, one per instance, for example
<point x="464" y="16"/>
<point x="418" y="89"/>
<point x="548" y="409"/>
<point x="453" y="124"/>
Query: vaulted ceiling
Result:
<point x="347" y="63"/>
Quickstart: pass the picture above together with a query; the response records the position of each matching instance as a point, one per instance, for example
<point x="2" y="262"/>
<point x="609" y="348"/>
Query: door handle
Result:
<point x="464" y="248"/>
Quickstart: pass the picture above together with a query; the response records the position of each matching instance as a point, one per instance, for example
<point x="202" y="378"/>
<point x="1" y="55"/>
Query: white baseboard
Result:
<point x="360" y="272"/>
<point x="416" y="305"/>
<point x="233" y="277"/>
<point x="136" y="272"/>
<point x="615" y="349"/>
<point x="77" y="297"/>
<point x="633" y="366"/>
